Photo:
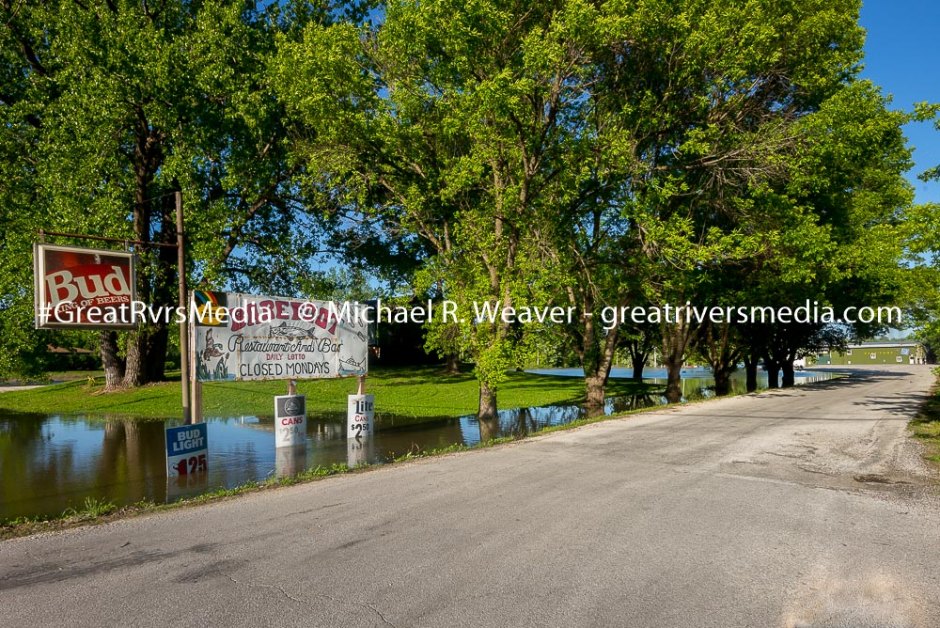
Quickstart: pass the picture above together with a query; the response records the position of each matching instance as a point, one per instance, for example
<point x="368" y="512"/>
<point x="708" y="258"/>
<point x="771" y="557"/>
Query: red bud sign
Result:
<point x="83" y="288"/>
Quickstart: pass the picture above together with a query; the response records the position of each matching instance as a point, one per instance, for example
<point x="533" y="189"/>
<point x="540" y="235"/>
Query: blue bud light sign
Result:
<point x="186" y="450"/>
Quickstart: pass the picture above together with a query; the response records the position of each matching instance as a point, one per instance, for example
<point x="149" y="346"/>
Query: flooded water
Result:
<point x="49" y="463"/>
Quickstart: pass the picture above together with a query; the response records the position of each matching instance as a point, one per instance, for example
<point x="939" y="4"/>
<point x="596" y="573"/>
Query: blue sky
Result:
<point x="902" y="53"/>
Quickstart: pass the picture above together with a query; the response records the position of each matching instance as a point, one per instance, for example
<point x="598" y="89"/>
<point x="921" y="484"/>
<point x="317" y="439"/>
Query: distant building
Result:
<point x="899" y="352"/>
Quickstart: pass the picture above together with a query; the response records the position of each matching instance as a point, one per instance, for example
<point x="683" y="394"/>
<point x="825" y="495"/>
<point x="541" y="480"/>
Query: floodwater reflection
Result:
<point x="49" y="463"/>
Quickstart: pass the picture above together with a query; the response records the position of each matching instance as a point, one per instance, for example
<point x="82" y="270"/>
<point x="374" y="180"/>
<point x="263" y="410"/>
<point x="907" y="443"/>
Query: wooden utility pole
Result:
<point x="183" y="303"/>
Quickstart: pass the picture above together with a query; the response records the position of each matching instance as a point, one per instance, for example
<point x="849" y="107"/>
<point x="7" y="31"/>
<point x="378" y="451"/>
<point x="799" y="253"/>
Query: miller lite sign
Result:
<point x="360" y="416"/>
<point x="83" y="288"/>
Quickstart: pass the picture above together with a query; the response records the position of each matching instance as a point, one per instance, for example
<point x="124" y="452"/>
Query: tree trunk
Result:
<point x="487" y="416"/>
<point x="594" y="402"/>
<point x="110" y="360"/>
<point x="135" y="373"/>
<point x="773" y="373"/>
<point x="638" y="359"/>
<point x="637" y="375"/>
<point x="487" y="409"/>
<point x="451" y="364"/>
<point x="673" y="380"/>
<point x="676" y="337"/>
<point x="597" y="358"/>
<point x="156" y="272"/>
<point x="156" y="354"/>
<point x="788" y="377"/>
<point x="722" y="381"/>
<point x="750" y="370"/>
<point x="166" y="282"/>
<point x="719" y="349"/>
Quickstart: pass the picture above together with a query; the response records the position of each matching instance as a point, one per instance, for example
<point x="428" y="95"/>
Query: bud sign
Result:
<point x="187" y="450"/>
<point x="83" y="288"/>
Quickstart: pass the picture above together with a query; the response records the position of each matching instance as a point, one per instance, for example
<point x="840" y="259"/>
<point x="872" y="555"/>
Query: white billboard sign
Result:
<point x="245" y="337"/>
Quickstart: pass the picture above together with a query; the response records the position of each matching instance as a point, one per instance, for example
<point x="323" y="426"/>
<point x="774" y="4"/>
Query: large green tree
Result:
<point x="842" y="241"/>
<point x="453" y="132"/>
<point x="923" y="238"/>
<point x="108" y="107"/>
<point x="713" y="93"/>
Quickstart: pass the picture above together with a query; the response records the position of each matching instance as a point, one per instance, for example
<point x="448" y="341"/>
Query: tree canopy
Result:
<point x="590" y="154"/>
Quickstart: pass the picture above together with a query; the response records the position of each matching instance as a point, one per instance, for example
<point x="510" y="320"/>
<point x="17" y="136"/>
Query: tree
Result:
<point x="712" y="93"/>
<point x="109" y="107"/>
<point x="641" y="341"/>
<point x="923" y="240"/>
<point x="842" y="244"/>
<point x="452" y="132"/>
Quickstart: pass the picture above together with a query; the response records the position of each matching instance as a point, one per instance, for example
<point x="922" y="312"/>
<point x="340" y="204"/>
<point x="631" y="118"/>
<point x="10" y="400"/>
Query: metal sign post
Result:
<point x="184" y="325"/>
<point x="195" y="397"/>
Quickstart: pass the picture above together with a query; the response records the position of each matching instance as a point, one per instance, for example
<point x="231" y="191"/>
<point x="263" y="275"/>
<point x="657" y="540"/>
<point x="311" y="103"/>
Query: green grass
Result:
<point x="926" y="426"/>
<point x="95" y="511"/>
<point x="92" y="509"/>
<point x="406" y="392"/>
<point x="53" y="376"/>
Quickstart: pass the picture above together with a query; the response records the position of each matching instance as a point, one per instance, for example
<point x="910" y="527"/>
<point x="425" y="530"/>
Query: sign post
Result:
<point x="184" y="326"/>
<point x="194" y="383"/>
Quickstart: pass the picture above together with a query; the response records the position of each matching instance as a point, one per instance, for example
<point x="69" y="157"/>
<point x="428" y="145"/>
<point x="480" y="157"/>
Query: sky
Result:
<point x="902" y="53"/>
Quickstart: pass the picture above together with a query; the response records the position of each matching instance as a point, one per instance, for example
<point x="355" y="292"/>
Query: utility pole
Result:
<point x="183" y="302"/>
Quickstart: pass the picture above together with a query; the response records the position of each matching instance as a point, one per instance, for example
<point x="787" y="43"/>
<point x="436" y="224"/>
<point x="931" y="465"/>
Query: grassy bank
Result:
<point x="407" y="392"/>
<point x="53" y="376"/>
<point x="97" y="511"/>
<point x="926" y="426"/>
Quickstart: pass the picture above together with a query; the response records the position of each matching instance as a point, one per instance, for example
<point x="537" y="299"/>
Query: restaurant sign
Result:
<point x="246" y="337"/>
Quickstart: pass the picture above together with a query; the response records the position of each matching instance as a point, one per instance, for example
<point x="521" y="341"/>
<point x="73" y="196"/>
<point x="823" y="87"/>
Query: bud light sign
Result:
<point x="187" y="448"/>
<point x="83" y="288"/>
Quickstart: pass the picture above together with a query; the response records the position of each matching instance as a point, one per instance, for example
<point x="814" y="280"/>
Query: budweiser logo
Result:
<point x="94" y="284"/>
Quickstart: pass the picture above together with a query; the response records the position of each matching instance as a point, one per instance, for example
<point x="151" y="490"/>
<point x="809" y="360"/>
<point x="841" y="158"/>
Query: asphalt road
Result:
<point x="803" y="507"/>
